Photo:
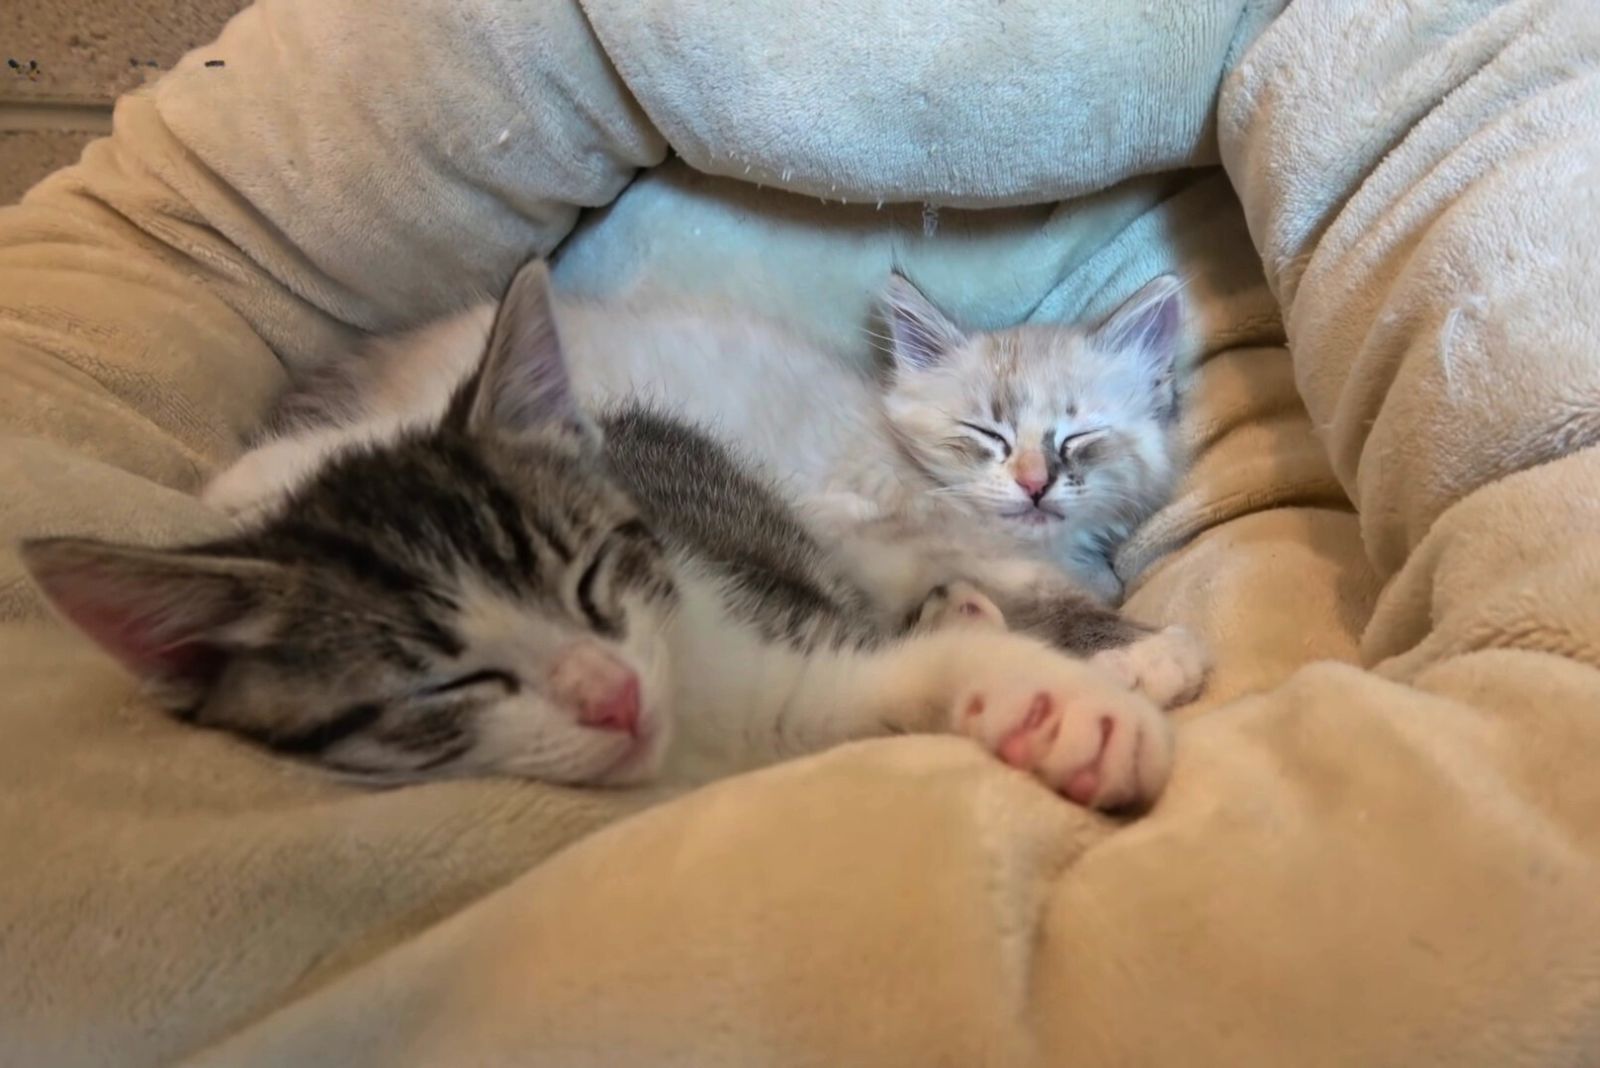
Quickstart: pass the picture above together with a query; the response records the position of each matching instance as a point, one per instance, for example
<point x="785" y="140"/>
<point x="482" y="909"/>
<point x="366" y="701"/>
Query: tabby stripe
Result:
<point x="469" y="512"/>
<point x="326" y="734"/>
<point x="508" y="517"/>
<point x="635" y="528"/>
<point x="439" y="635"/>
<point x="357" y="558"/>
<point x="555" y="542"/>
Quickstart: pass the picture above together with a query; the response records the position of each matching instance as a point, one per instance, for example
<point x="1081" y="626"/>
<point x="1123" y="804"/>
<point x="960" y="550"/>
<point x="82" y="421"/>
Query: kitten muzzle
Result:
<point x="600" y="691"/>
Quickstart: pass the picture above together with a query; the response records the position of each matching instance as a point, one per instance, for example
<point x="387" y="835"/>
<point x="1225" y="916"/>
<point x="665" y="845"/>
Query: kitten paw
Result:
<point x="1072" y="726"/>
<point x="1169" y="666"/>
<point x="958" y="604"/>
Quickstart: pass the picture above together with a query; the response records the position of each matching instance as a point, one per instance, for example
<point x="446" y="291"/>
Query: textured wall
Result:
<point x="66" y="61"/>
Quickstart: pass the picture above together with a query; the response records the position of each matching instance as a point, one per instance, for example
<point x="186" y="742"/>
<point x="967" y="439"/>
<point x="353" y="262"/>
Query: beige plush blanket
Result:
<point x="1382" y="845"/>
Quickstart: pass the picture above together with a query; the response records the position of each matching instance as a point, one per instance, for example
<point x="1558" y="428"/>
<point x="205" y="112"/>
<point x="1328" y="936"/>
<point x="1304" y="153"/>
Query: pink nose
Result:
<point x="1033" y="485"/>
<point x="601" y="691"/>
<point x="617" y="710"/>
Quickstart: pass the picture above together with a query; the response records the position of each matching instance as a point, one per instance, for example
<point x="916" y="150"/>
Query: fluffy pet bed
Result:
<point x="1382" y="845"/>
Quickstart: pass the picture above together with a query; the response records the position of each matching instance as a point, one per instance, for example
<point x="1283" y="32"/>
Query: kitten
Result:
<point x="1064" y="437"/>
<point x="496" y="583"/>
<point x="910" y="483"/>
<point x="1029" y="445"/>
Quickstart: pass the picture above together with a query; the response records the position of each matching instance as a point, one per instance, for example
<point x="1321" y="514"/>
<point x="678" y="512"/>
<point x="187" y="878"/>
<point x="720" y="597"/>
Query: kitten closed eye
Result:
<point x="590" y="596"/>
<point x="593" y="592"/>
<point x="1061" y="436"/>
<point x="505" y="679"/>
<point x="993" y="436"/>
<point x="1077" y="445"/>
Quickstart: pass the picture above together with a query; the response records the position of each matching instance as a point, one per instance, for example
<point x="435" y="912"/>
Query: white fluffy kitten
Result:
<point x="1064" y="439"/>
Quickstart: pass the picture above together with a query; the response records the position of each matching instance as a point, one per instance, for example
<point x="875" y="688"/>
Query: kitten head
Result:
<point x="474" y="598"/>
<point x="1047" y="428"/>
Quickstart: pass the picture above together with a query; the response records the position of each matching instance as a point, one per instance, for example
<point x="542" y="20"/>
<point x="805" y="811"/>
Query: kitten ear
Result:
<point x="1147" y="324"/>
<point x="167" y="616"/>
<point x="523" y="384"/>
<point x="920" y="336"/>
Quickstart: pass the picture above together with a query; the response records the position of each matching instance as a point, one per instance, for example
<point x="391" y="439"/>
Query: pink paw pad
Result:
<point x="1084" y="783"/>
<point x="1020" y="748"/>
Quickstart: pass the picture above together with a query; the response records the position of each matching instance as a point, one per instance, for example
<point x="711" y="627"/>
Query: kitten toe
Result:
<point x="1080" y="733"/>
<point x="959" y="604"/>
<point x="1129" y="747"/>
<point x="1169" y="666"/>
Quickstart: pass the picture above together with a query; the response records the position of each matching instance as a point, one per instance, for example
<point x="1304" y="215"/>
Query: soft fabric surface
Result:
<point x="1387" y="866"/>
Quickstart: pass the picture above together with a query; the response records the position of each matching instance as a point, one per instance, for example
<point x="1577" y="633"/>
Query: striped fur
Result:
<point x="398" y="610"/>
<point x="437" y="591"/>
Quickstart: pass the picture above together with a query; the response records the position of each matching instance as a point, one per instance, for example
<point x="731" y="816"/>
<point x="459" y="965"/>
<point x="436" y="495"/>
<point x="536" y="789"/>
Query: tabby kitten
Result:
<point x="493" y="582"/>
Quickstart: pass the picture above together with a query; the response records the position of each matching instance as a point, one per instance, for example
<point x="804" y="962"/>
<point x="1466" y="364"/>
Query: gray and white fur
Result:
<point x="913" y="480"/>
<point x="494" y="582"/>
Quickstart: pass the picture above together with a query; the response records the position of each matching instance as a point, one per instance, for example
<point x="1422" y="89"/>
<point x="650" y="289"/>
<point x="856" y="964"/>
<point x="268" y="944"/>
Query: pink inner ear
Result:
<point x="140" y="640"/>
<point x="1162" y="332"/>
<point x="1147" y="327"/>
<point x="920" y="334"/>
<point x="185" y="660"/>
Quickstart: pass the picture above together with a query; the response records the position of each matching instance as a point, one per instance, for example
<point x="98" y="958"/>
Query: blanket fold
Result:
<point x="1394" y="865"/>
<point x="971" y="104"/>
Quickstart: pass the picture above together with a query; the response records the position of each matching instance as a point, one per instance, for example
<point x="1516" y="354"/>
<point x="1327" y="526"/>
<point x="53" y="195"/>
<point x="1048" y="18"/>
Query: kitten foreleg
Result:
<point x="1067" y="722"/>
<point x="957" y="604"/>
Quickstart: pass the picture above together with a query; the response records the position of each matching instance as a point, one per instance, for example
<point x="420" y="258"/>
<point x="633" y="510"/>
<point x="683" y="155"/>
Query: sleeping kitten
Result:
<point x="1066" y="438"/>
<point x="490" y="582"/>
<point x="1026" y="456"/>
<point x="914" y="485"/>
